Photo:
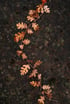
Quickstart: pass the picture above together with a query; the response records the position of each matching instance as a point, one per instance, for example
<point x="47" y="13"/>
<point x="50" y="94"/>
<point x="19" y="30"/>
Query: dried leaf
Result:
<point x="41" y="100"/>
<point x="42" y="92"/>
<point x="21" y="25"/>
<point x="42" y="97"/>
<point x="38" y="84"/>
<point x="47" y="90"/>
<point x="29" y="31"/>
<point x="24" y="56"/>
<point x="26" y="41"/>
<point x="33" y="74"/>
<point x="30" y="18"/>
<point x="26" y="66"/>
<point x="46" y="9"/>
<point x="40" y="8"/>
<point x="16" y="39"/>
<point x="24" y="69"/>
<point x="31" y="12"/>
<point x="35" y="26"/>
<point x="21" y="46"/>
<point x="39" y="76"/>
<point x="45" y="87"/>
<point x="19" y="52"/>
<point x="49" y="95"/>
<point x="37" y="63"/>
<point x="19" y="36"/>
<point x="35" y="83"/>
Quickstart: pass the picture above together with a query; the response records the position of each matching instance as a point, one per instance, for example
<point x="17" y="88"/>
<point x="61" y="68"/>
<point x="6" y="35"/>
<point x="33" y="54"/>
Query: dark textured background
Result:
<point x="54" y="29"/>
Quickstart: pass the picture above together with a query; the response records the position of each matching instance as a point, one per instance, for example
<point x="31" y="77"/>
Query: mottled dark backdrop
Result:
<point x="51" y="45"/>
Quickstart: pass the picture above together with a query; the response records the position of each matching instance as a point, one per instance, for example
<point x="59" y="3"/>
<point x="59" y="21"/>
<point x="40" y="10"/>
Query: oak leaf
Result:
<point x="21" y="46"/>
<point x="29" y="31"/>
<point x="30" y="18"/>
<point x="26" y="41"/>
<point x="19" y="52"/>
<point x="35" y="26"/>
<point x="40" y="9"/>
<point x="19" y="36"/>
<point x="33" y="74"/>
<point x="24" y="56"/>
<point x="35" y="83"/>
<point x="46" y="9"/>
<point x="39" y="76"/>
<point x="21" y="25"/>
<point x="41" y="100"/>
<point x="24" y="69"/>
<point x="37" y="63"/>
<point x="45" y="87"/>
<point x="31" y="12"/>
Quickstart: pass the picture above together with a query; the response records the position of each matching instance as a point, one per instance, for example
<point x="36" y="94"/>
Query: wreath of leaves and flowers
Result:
<point x="29" y="29"/>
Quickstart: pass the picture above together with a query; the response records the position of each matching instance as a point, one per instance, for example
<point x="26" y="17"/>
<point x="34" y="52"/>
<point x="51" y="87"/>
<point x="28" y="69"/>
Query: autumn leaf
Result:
<point x="46" y="9"/>
<point x="24" y="56"/>
<point x="35" y="83"/>
<point x="19" y="52"/>
<point x="33" y="74"/>
<point x="38" y="83"/>
<point x="26" y="41"/>
<point x="47" y="90"/>
<point x="45" y="87"/>
<point x="27" y="66"/>
<point x="49" y="95"/>
<point x="23" y="72"/>
<point x="31" y="12"/>
<point x="16" y="39"/>
<point x="42" y="97"/>
<point x="29" y="31"/>
<point x="39" y="76"/>
<point x="21" y="25"/>
<point x="30" y="18"/>
<point x="41" y="100"/>
<point x="37" y="63"/>
<point x="21" y="46"/>
<point x="19" y="36"/>
<point x="40" y="9"/>
<point x="24" y="69"/>
<point x="35" y="26"/>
